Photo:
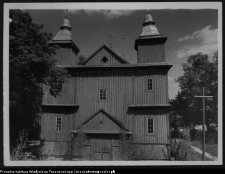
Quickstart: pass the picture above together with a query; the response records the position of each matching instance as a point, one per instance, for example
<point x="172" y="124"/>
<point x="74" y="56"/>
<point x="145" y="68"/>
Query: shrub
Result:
<point x="18" y="153"/>
<point x="130" y="149"/>
<point x="43" y="152"/>
<point x="185" y="135"/>
<point x="210" y="137"/>
<point x="177" y="150"/>
<point x="78" y="144"/>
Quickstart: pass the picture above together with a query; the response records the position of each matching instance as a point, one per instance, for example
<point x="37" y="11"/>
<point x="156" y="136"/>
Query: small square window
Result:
<point x="150" y="125"/>
<point x="149" y="84"/>
<point x="102" y="95"/>
<point x="103" y="61"/>
<point x="58" y="124"/>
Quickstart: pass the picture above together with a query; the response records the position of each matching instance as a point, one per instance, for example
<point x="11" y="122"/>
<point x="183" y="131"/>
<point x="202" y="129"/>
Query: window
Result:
<point x="149" y="84"/>
<point x="58" y="124"/>
<point x="103" y="61"/>
<point x="102" y="95"/>
<point x="150" y="125"/>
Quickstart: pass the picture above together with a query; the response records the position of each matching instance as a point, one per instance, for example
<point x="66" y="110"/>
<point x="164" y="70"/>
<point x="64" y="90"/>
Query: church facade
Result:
<point x="107" y="97"/>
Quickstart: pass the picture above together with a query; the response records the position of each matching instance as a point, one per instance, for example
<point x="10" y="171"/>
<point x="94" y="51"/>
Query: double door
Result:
<point x="101" y="148"/>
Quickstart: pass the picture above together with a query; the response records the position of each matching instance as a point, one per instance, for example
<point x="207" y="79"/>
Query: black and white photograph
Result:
<point x="112" y="84"/>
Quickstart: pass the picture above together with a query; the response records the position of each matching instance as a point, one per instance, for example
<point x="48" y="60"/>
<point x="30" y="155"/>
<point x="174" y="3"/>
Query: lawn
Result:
<point x="209" y="148"/>
<point x="195" y="156"/>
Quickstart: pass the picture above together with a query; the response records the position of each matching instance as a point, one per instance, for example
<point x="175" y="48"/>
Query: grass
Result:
<point x="209" y="148"/>
<point x="195" y="156"/>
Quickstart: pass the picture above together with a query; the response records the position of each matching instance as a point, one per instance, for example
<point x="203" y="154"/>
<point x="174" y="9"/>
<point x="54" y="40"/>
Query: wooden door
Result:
<point x="101" y="148"/>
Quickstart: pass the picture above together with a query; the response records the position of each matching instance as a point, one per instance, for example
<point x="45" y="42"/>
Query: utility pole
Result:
<point x="203" y="122"/>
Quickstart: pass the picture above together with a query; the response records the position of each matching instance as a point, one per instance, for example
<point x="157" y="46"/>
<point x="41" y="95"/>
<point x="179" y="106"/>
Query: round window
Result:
<point x="100" y="123"/>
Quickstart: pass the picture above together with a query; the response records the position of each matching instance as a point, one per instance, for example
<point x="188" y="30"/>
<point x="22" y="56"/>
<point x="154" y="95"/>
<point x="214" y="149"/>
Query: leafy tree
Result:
<point x="30" y="66"/>
<point x="186" y="110"/>
<point x="81" y="59"/>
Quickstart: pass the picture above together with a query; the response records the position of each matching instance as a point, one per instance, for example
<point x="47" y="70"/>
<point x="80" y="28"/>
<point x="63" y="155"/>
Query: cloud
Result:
<point x="107" y="13"/>
<point x="204" y="41"/>
<point x="173" y="87"/>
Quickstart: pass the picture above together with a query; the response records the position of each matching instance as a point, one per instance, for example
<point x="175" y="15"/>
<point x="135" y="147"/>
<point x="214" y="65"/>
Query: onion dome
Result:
<point x="64" y="32"/>
<point x="149" y="29"/>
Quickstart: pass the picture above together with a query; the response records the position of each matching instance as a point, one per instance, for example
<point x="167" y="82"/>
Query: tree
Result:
<point x="81" y="59"/>
<point x="30" y="66"/>
<point x="199" y="72"/>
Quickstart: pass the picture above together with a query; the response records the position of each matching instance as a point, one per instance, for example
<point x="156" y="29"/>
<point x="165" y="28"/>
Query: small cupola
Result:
<point x="66" y="24"/>
<point x="149" y="28"/>
<point x="64" y="32"/>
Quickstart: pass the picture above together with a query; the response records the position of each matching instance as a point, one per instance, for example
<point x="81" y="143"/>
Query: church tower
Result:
<point x="150" y="46"/>
<point x="67" y="54"/>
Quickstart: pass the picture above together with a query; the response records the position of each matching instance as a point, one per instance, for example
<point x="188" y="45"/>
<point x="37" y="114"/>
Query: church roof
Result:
<point x="118" y="56"/>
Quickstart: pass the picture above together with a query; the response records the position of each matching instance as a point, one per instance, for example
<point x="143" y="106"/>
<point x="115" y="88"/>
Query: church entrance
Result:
<point x="101" y="147"/>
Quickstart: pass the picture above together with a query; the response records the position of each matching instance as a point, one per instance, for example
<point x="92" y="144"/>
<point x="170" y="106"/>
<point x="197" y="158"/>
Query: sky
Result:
<point x="189" y="30"/>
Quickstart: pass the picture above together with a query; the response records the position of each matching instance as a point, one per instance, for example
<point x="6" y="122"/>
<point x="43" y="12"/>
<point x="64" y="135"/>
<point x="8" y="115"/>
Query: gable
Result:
<point x="104" y="52"/>
<point x="102" y="122"/>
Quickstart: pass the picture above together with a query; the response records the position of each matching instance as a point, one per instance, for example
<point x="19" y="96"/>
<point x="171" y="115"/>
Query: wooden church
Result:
<point x="107" y="97"/>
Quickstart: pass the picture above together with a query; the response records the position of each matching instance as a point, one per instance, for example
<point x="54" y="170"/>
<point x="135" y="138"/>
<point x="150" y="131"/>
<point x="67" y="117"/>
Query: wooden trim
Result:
<point x="103" y="133"/>
<point x="56" y="141"/>
<point x="64" y="156"/>
<point x="59" y="105"/>
<point x="149" y="106"/>
<point x="151" y="143"/>
<point x="145" y="144"/>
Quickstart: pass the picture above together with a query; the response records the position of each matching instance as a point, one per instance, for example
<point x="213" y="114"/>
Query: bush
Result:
<point x="177" y="150"/>
<point x="18" y="153"/>
<point x="185" y="134"/>
<point x="210" y="137"/>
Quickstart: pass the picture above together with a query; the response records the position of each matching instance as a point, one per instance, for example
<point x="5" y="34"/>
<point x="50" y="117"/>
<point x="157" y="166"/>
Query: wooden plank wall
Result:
<point x="151" y="53"/>
<point x="66" y="55"/>
<point x="103" y="53"/>
<point x="160" y="122"/>
<point x="67" y="96"/>
<point x="49" y="126"/>
<point x="159" y="94"/>
<point x="119" y="94"/>
<point x="123" y="89"/>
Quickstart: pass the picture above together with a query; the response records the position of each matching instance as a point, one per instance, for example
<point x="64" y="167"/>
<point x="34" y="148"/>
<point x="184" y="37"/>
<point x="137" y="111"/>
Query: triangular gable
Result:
<point x="111" y="123"/>
<point x="116" y="55"/>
